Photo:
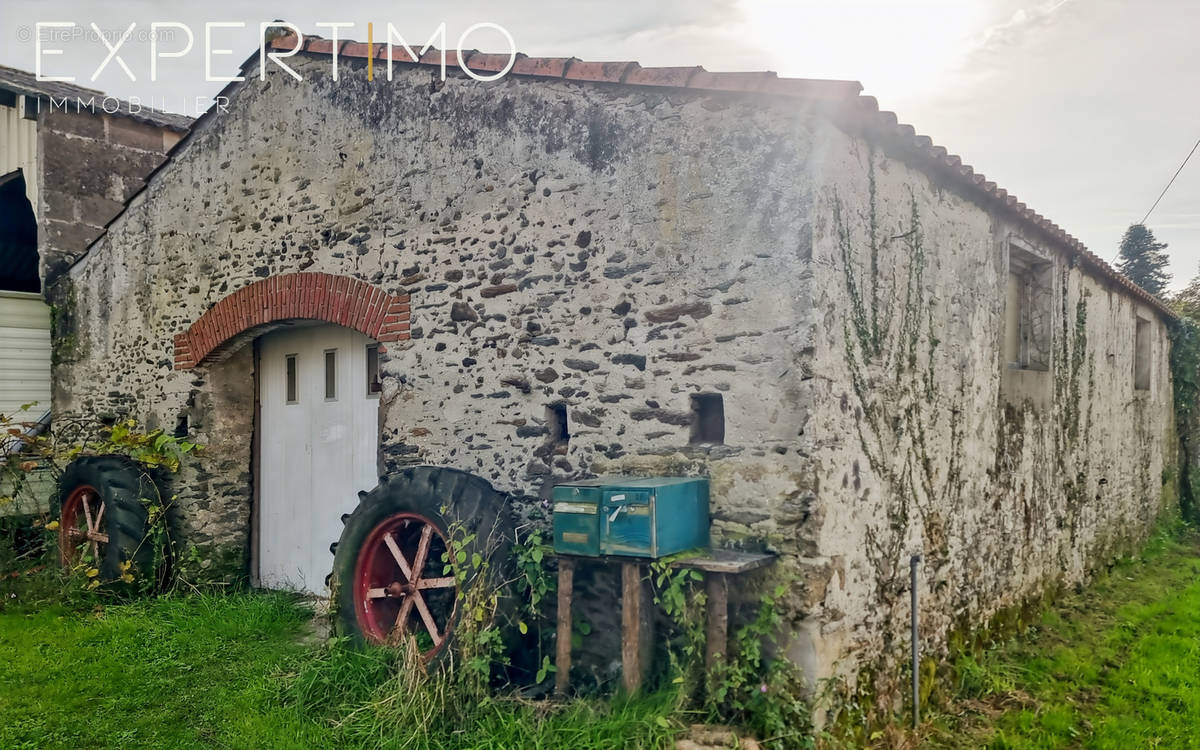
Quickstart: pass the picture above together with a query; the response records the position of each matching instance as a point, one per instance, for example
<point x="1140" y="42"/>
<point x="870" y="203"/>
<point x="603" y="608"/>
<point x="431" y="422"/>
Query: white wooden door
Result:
<point x="319" y="439"/>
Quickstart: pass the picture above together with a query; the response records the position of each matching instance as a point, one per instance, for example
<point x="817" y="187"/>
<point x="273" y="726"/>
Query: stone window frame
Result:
<point x="1142" y="370"/>
<point x="1034" y="338"/>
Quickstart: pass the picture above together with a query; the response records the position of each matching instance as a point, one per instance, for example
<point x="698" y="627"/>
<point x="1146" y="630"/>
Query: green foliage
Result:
<point x="32" y="460"/>
<point x="1185" y="382"/>
<point x="1142" y="259"/>
<point x="1112" y="666"/>
<point x="762" y="693"/>
<point x="27" y="450"/>
<point x="533" y="584"/>
<point x="749" y="687"/>
<point x="677" y="593"/>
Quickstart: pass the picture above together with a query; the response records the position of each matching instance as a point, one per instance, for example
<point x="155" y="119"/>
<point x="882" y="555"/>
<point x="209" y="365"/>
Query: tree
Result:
<point x="1143" y="259"/>
<point x="1187" y="302"/>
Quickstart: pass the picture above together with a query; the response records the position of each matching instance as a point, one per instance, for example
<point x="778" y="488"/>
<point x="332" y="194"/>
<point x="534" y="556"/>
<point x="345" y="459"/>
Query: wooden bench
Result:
<point x="716" y="565"/>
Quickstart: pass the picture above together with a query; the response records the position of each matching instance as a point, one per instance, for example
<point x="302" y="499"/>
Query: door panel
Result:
<point x="315" y="454"/>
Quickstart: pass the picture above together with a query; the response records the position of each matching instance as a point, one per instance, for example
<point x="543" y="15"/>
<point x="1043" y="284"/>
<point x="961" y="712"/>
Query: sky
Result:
<point x="1082" y="108"/>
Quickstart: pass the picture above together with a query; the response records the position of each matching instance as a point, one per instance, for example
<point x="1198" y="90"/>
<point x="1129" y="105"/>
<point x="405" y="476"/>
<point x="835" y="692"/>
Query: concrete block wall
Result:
<point x="91" y="164"/>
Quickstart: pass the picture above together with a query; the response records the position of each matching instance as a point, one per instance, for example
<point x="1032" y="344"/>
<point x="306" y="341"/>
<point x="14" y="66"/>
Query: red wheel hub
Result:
<point x="400" y="585"/>
<point x="82" y="527"/>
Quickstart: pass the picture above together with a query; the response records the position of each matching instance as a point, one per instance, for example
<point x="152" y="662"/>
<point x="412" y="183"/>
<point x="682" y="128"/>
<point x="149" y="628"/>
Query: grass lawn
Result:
<point x="236" y="672"/>
<point x="1116" y="666"/>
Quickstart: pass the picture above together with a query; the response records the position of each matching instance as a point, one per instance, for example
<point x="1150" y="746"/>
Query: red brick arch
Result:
<point x="316" y="296"/>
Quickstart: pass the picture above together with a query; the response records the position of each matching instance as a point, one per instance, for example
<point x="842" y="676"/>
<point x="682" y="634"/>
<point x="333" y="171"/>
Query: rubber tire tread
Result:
<point x="468" y="500"/>
<point x="122" y="486"/>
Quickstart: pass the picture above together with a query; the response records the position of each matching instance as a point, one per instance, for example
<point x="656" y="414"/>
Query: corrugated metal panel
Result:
<point x="18" y="150"/>
<point x="24" y="351"/>
<point x="34" y="497"/>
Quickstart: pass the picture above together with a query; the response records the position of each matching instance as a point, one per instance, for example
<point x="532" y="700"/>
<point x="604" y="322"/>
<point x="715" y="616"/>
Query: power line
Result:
<point x="1169" y="184"/>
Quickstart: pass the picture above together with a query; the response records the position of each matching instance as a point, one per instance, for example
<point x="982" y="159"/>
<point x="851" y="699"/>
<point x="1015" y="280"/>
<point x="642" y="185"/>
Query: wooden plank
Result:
<point x="726" y="561"/>
<point x="717" y="560"/>
<point x="716" y="632"/>
<point x="632" y="664"/>
<point x="562" y="656"/>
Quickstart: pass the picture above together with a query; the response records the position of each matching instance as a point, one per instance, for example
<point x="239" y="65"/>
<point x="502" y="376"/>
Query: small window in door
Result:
<point x="331" y="374"/>
<point x="373" y="385"/>
<point x="293" y="392"/>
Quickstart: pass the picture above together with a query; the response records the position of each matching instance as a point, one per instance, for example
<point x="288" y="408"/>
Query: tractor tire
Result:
<point x="381" y="587"/>
<point x="101" y="508"/>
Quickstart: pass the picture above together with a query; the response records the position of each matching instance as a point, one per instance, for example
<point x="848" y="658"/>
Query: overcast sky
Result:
<point x="1082" y="108"/>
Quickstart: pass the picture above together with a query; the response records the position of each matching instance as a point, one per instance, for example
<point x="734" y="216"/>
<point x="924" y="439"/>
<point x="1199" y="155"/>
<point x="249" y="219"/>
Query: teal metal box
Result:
<point x="577" y="518"/>
<point x="652" y="517"/>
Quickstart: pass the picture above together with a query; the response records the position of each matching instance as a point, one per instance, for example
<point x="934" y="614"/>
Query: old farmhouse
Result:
<point x="597" y="268"/>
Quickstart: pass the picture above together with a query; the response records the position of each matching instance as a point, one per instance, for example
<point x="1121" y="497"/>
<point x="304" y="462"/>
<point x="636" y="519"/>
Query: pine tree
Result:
<point x="1143" y="259"/>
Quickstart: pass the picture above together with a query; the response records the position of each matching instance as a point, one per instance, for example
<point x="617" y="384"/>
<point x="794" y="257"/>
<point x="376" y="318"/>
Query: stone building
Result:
<point x="597" y="268"/>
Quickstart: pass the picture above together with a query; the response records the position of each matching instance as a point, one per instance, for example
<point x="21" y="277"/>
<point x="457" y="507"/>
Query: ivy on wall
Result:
<point x="1185" y="379"/>
<point x="900" y="411"/>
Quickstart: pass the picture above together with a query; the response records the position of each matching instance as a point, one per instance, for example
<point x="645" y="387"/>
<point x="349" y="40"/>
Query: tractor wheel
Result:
<point x="390" y="578"/>
<point x="102" y="516"/>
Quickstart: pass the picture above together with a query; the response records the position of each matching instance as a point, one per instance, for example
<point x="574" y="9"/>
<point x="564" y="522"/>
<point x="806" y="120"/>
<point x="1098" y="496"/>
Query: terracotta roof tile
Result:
<point x="319" y="46"/>
<point x="749" y="82"/>
<point x="599" y="72"/>
<point x="676" y="77"/>
<point x="482" y="62"/>
<point x="434" y="57"/>
<point x="358" y="49"/>
<point x="398" y="54"/>
<point x="284" y="42"/>
<point x="551" y="67"/>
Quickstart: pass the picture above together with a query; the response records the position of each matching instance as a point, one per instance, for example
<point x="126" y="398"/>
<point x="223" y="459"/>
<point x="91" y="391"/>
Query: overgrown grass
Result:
<point x="237" y="671"/>
<point x="1114" y="666"/>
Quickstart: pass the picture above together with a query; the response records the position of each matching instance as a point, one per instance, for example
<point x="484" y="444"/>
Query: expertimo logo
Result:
<point x="162" y="31"/>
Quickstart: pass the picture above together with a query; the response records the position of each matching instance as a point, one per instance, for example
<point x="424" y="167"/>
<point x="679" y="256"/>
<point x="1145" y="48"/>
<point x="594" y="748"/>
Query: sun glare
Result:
<point x="897" y="50"/>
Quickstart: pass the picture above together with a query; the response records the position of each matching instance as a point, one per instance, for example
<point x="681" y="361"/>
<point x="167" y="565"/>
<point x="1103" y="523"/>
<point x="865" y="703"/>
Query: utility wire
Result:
<point x="1169" y="184"/>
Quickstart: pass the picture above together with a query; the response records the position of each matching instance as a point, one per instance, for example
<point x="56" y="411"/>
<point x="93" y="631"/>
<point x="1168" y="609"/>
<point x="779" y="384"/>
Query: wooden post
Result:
<point x="631" y="627"/>
<point x="716" y="634"/>
<point x="562" y="657"/>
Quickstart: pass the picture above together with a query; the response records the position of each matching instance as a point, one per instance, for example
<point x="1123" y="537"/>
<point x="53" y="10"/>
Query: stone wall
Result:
<point x="608" y="249"/>
<point x="91" y="164"/>
<point x="1008" y="482"/>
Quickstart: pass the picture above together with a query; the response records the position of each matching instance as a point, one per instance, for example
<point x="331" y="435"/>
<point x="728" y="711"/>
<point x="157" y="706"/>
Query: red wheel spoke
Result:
<point x="87" y="512"/>
<point x="427" y="617"/>
<point x="401" y="626"/>
<point x="396" y="553"/>
<point x="81" y="527"/>
<point x="422" y="550"/>
<point x="391" y="591"/>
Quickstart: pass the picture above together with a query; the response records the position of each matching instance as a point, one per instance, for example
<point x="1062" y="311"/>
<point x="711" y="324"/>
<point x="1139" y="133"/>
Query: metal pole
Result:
<point x="916" y="644"/>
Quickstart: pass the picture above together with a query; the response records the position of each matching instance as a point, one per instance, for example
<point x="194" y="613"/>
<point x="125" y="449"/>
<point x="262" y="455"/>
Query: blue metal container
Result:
<point x="577" y="518"/>
<point x="652" y="517"/>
